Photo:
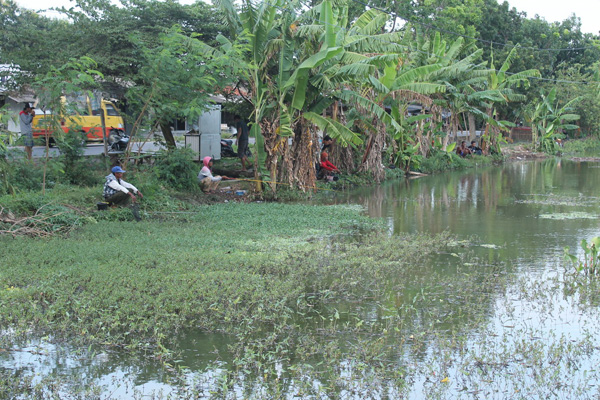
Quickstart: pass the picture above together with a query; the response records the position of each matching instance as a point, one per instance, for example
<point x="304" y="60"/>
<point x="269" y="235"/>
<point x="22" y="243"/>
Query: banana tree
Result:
<point x="549" y="120"/>
<point x="296" y="75"/>
<point x="462" y="76"/>
<point x="500" y="85"/>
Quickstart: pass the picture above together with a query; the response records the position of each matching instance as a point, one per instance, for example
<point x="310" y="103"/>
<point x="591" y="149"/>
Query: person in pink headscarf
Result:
<point x="207" y="181"/>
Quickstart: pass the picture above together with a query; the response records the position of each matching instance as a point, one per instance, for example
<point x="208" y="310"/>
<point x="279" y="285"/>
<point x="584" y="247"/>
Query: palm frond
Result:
<point x="364" y="20"/>
<point x="384" y="59"/>
<point x="369" y="106"/>
<point x="322" y="82"/>
<point x="336" y="130"/>
<point x="321" y="105"/>
<point x="570" y="117"/>
<point x="350" y="57"/>
<point x="357" y="69"/>
<point x="375" y="23"/>
<point x="493" y="96"/>
<point x="416" y="74"/>
<point x="425" y="88"/>
<point x="232" y="19"/>
<point x="378" y="86"/>
<point x="453" y="51"/>
<point x="310" y="32"/>
<point x="524" y="75"/>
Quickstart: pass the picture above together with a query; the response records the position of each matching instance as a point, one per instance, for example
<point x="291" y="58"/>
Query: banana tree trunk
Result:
<point x="299" y="162"/>
<point x="372" y="158"/>
<point x="451" y="132"/>
<point x="273" y="148"/>
<point x="343" y="157"/>
<point x="472" y="127"/>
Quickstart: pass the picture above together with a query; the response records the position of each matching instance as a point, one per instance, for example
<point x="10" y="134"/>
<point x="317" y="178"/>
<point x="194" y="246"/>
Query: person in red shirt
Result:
<point x="327" y="169"/>
<point x="326" y="165"/>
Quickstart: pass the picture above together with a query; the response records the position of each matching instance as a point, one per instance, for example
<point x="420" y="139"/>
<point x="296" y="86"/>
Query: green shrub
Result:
<point x="76" y="168"/>
<point x="177" y="169"/>
<point x="18" y="174"/>
<point x="442" y="161"/>
<point x="590" y="145"/>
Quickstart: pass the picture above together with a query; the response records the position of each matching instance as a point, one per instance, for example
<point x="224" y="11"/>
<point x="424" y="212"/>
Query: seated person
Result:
<point x="327" y="168"/>
<point x="463" y="150"/>
<point x="207" y="181"/>
<point x="327" y="143"/>
<point x="118" y="192"/>
<point x="474" y="149"/>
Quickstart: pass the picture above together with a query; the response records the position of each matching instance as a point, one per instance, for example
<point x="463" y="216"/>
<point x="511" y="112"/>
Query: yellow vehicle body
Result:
<point x="87" y="118"/>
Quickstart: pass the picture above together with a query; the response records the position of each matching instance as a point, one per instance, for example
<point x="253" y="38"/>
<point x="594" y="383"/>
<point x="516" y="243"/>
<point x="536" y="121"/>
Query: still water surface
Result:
<point x="531" y="210"/>
<point x="523" y="214"/>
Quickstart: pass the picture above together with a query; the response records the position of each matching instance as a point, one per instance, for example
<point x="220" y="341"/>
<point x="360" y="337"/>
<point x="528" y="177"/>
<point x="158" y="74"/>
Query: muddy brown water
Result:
<point x="522" y="213"/>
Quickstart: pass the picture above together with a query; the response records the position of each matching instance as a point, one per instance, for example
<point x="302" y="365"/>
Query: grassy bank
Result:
<point x="263" y="273"/>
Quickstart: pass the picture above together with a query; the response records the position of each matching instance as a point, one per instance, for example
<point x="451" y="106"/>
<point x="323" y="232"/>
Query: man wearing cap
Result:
<point x="117" y="191"/>
<point x="25" y="120"/>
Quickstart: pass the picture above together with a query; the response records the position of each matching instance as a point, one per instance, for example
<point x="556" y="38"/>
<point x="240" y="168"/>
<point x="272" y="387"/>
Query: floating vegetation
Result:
<point x="490" y="246"/>
<point x="554" y="200"/>
<point x="569" y="215"/>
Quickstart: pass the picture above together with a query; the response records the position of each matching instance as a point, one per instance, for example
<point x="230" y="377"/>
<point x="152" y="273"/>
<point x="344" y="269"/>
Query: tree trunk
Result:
<point x="472" y="127"/>
<point x="300" y="159"/>
<point x="342" y="157"/>
<point x="372" y="159"/>
<point x="168" y="134"/>
<point x="273" y="148"/>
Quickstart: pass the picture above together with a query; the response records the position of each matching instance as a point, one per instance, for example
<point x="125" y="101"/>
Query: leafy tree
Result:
<point x="178" y="76"/>
<point x="76" y="75"/>
<point x="499" y="88"/>
<point x="573" y="83"/>
<point x="115" y="35"/>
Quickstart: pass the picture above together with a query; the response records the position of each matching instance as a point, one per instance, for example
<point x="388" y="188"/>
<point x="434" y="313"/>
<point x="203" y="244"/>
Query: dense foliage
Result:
<point x="337" y="67"/>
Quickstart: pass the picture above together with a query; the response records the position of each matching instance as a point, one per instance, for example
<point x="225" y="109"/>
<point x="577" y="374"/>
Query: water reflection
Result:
<point x="500" y="206"/>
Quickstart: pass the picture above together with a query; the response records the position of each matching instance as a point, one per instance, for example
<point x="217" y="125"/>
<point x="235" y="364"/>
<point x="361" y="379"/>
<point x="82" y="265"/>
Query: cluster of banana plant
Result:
<point x="549" y="120"/>
<point x="590" y="265"/>
<point x="303" y="64"/>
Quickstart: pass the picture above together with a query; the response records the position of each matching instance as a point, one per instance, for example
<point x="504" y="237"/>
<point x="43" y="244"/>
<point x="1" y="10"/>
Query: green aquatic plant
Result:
<point x="569" y="215"/>
<point x="590" y="265"/>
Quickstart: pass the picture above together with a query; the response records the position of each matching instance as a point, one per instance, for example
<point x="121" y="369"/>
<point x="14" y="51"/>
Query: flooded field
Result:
<point x="469" y="296"/>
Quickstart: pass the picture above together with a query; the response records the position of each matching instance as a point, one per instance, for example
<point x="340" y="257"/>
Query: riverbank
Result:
<point x="269" y="300"/>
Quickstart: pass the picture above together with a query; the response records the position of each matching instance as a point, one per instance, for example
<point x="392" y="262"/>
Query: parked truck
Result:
<point x="82" y="113"/>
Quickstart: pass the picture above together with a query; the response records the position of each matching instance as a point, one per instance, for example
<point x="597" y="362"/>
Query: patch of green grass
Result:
<point x="122" y="283"/>
<point x="442" y="161"/>
<point x="587" y="146"/>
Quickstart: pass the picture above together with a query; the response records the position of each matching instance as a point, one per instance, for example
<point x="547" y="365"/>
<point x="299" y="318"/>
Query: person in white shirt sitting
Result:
<point x="207" y="181"/>
<point x="118" y="192"/>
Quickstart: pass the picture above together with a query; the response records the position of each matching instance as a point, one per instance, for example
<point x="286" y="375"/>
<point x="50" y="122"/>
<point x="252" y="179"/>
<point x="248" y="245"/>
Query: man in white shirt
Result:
<point x="117" y="191"/>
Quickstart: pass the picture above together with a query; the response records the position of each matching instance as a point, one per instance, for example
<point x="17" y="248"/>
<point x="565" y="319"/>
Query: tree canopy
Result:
<point x="348" y="68"/>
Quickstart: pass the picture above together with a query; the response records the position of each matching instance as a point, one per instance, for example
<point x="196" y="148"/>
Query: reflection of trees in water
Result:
<point x="438" y="203"/>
